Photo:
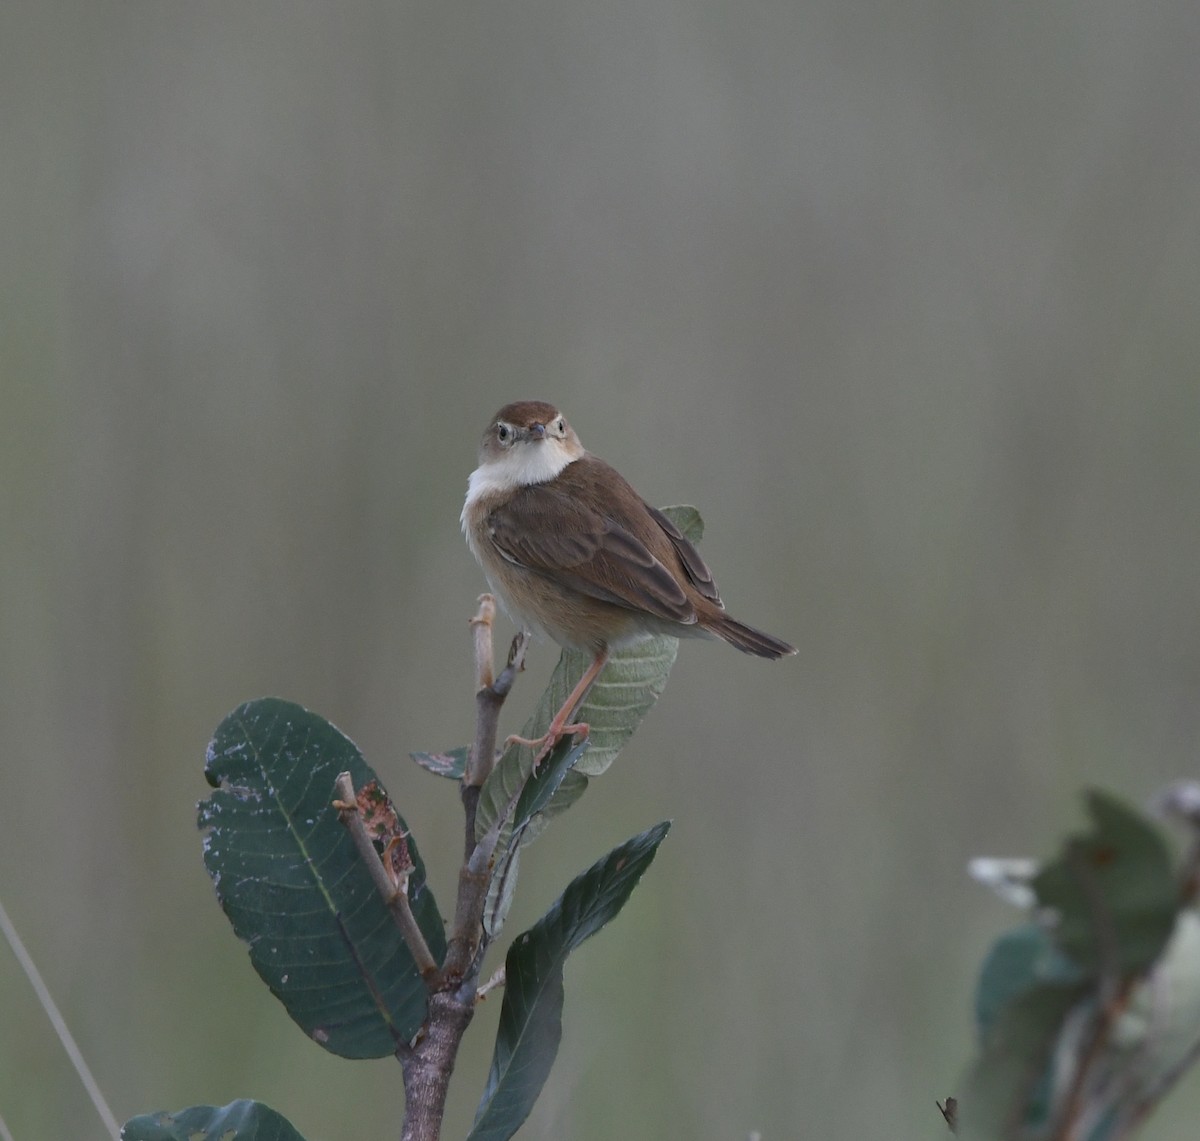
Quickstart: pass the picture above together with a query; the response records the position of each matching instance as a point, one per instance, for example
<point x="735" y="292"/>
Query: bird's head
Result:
<point x="527" y="442"/>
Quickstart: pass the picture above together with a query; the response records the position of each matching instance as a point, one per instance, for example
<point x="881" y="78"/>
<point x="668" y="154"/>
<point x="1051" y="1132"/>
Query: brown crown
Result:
<point x="523" y="413"/>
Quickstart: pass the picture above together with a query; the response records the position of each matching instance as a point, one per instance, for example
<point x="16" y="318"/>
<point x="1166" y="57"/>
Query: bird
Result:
<point x="575" y="553"/>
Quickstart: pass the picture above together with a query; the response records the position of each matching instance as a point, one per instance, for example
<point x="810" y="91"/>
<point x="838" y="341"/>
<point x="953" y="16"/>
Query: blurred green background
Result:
<point x="903" y="297"/>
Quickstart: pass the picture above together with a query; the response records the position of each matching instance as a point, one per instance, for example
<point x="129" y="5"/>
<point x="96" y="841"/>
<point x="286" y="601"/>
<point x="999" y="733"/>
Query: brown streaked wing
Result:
<point x="696" y="567"/>
<point x="557" y="536"/>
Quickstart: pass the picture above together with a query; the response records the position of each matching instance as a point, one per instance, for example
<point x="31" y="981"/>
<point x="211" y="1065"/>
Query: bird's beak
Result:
<point x="536" y="431"/>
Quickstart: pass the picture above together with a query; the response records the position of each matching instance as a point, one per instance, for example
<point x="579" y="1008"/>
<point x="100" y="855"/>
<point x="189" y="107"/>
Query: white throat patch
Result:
<point x="519" y="468"/>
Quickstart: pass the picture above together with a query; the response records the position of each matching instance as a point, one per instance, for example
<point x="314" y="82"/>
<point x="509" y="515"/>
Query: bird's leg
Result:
<point x="562" y="725"/>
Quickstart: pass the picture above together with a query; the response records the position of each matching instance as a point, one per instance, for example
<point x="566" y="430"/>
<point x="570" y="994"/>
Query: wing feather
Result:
<point x="561" y="535"/>
<point x="696" y="568"/>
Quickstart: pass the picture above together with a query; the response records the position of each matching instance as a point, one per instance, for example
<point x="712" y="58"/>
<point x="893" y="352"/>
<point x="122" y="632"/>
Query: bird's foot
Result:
<point x="545" y="744"/>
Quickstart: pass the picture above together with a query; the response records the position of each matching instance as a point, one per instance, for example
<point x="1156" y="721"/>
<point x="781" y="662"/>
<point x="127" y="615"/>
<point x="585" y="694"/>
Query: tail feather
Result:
<point x="747" y="638"/>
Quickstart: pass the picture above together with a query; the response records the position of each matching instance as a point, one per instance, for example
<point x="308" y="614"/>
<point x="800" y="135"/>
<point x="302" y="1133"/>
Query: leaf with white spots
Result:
<point x="290" y="880"/>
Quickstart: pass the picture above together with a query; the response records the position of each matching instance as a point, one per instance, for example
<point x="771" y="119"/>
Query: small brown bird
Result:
<point x="574" y="552"/>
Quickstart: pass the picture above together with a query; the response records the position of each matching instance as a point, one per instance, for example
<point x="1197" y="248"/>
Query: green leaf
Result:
<point x="1114" y="901"/>
<point x="1039" y="1038"/>
<point x="289" y="878"/>
<point x="452" y="763"/>
<point x="1011" y="1082"/>
<point x="572" y="786"/>
<point x="1160" y="1030"/>
<point x="543" y="785"/>
<point x="687" y="519"/>
<point x="1152" y="1041"/>
<point x="1026" y="989"/>
<point x="629" y="685"/>
<point x="531" y="1016"/>
<point x="1113" y="889"/>
<point x="1019" y="960"/>
<point x="237" y="1121"/>
<point x="501" y="888"/>
<point x="537" y="792"/>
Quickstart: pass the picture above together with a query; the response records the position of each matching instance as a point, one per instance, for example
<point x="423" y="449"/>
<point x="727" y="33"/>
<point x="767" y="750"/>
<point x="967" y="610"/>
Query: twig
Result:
<point x="1108" y="1013"/>
<point x="482" y="625"/>
<point x="497" y="980"/>
<point x="394" y="892"/>
<point x="59" y="1023"/>
<point x="1161" y="1088"/>
<point x="482" y="758"/>
<point x="466" y="932"/>
<point x="490" y="693"/>
<point x="1180" y="800"/>
<point x="1113" y="992"/>
<point x="429" y="1062"/>
<point x="467" y="936"/>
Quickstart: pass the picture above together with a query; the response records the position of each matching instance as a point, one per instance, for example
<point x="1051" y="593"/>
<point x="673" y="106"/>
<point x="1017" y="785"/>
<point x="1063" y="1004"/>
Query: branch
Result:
<point x="1113" y="994"/>
<point x="467" y="935"/>
<point x="427" y="1067"/>
<point x="1106" y="1019"/>
<point x="393" y="890"/>
<point x="466" y="932"/>
<point x="430" y="1061"/>
<point x="490" y="693"/>
<point x="1145" y="1105"/>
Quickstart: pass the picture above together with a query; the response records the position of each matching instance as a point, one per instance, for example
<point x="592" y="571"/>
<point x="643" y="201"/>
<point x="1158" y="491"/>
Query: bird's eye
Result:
<point x="503" y="432"/>
<point x="559" y="426"/>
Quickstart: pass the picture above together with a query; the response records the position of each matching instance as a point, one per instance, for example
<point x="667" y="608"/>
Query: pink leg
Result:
<point x="562" y="725"/>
